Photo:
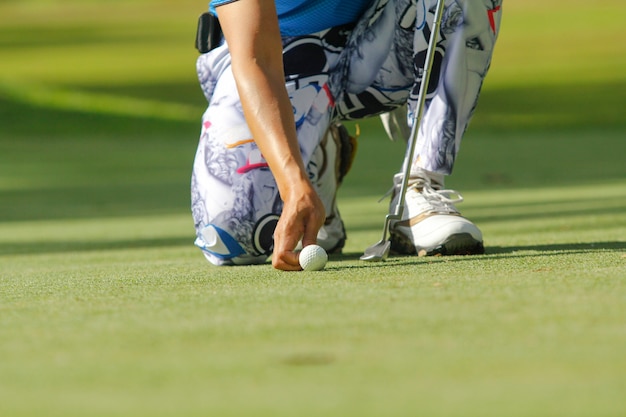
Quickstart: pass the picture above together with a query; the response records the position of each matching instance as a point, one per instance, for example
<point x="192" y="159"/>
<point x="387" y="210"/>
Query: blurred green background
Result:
<point x="100" y="108"/>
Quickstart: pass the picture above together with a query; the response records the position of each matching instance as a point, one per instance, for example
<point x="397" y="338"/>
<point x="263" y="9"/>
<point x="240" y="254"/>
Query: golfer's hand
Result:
<point x="302" y="217"/>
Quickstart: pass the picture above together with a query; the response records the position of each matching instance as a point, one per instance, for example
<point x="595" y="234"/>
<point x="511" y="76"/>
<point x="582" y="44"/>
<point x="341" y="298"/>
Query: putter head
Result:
<point x="377" y="252"/>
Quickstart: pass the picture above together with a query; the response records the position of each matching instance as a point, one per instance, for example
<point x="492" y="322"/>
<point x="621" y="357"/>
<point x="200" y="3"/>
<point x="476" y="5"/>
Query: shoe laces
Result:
<point x="433" y="199"/>
<point x="440" y="200"/>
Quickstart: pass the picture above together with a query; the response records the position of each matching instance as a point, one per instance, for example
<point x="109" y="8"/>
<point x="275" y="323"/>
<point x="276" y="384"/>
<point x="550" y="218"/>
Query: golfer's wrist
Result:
<point x="294" y="187"/>
<point x="291" y="177"/>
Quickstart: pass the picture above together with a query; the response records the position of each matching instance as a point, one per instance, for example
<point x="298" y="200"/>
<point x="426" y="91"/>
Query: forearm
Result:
<point x="269" y="115"/>
<point x="252" y="32"/>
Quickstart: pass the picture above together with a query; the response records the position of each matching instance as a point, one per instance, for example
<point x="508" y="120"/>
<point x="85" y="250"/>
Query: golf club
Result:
<point x="380" y="250"/>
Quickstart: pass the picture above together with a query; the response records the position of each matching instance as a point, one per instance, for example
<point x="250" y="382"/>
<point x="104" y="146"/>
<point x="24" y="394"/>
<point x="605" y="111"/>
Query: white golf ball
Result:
<point x="313" y="258"/>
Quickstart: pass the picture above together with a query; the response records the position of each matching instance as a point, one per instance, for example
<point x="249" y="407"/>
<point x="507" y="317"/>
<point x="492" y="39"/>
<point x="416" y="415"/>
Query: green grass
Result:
<point x="107" y="309"/>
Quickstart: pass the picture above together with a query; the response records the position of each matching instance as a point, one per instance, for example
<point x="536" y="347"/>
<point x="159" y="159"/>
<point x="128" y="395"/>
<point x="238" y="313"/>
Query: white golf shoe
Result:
<point x="431" y="224"/>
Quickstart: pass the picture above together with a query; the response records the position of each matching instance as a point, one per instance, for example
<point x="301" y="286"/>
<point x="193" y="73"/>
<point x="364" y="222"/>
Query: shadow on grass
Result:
<point x="551" y="209"/>
<point x="565" y="247"/>
<point x="80" y="202"/>
<point x="492" y="252"/>
<point x="30" y="248"/>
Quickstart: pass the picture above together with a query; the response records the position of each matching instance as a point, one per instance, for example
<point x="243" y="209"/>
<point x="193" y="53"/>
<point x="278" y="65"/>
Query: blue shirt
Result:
<point x="301" y="17"/>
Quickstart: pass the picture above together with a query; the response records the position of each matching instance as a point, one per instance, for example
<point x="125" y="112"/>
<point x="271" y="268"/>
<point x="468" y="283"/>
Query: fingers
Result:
<point x="302" y="217"/>
<point x="284" y="256"/>
<point x="286" y="261"/>
<point x="288" y="233"/>
<point x="286" y="236"/>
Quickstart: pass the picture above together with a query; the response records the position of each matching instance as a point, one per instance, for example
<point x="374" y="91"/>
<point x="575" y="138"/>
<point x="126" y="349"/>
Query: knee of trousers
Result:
<point x="234" y="200"/>
<point x="230" y="241"/>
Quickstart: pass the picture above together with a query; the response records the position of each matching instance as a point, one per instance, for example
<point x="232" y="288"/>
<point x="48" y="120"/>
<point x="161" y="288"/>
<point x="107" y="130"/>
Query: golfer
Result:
<point x="281" y="76"/>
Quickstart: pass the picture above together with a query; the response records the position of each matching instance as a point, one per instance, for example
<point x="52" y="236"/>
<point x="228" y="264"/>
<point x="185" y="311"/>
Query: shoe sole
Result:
<point x="457" y="244"/>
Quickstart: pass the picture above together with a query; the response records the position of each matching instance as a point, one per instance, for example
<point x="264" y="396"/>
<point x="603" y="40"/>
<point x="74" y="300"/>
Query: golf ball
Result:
<point x="313" y="258"/>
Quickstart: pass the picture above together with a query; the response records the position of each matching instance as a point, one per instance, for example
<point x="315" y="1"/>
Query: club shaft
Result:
<point x="379" y="251"/>
<point x="419" y="109"/>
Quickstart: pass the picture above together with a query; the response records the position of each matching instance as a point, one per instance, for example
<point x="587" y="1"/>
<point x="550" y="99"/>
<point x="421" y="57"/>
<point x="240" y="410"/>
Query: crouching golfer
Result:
<point x="280" y="80"/>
